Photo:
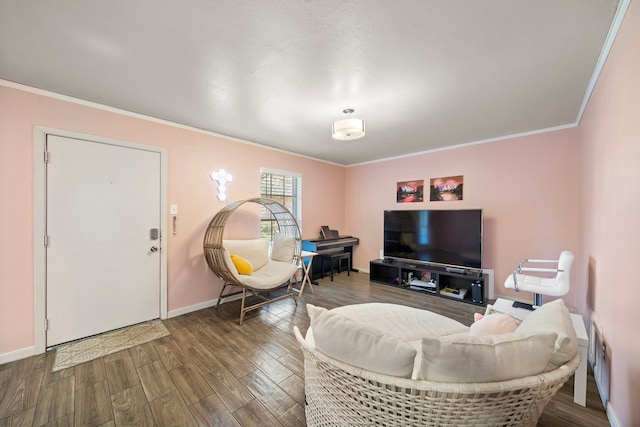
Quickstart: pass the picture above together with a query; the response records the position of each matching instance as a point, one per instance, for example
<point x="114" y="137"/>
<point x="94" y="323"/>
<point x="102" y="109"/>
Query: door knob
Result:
<point x="154" y="249"/>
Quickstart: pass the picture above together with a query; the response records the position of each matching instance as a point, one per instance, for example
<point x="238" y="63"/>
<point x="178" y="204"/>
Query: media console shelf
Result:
<point x="468" y="287"/>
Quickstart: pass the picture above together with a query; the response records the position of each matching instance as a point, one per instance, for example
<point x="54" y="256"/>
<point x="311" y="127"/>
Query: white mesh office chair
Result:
<point x="552" y="286"/>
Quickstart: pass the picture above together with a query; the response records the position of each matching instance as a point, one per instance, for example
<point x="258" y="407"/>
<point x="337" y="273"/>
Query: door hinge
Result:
<point x="46" y="240"/>
<point x="46" y="324"/>
<point x="46" y="157"/>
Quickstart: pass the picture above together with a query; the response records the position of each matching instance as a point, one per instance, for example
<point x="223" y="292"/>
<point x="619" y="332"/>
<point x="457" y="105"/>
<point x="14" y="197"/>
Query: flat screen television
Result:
<point x="447" y="237"/>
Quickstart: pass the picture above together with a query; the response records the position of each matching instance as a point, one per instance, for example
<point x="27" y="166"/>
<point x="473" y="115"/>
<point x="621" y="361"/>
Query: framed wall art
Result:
<point x="446" y="189"/>
<point x="410" y="191"/>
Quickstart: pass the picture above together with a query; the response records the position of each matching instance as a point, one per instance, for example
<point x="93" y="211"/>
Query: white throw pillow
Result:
<point x="553" y="317"/>
<point x="469" y="359"/>
<point x="360" y="345"/>
<point x="282" y="247"/>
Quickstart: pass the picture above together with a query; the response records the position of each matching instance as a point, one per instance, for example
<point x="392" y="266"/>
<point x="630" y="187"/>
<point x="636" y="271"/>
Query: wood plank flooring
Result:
<point x="211" y="371"/>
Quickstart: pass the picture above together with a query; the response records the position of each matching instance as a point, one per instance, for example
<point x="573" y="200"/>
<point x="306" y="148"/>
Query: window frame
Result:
<point x="296" y="197"/>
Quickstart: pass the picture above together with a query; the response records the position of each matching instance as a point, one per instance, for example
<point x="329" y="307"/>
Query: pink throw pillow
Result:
<point x="492" y="324"/>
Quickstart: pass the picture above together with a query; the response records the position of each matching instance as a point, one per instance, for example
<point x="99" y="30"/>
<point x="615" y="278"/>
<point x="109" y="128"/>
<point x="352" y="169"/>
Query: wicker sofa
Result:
<point x="347" y="388"/>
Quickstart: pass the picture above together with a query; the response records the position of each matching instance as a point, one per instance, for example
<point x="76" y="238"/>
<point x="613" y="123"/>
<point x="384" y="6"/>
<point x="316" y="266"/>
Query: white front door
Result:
<point x="102" y="261"/>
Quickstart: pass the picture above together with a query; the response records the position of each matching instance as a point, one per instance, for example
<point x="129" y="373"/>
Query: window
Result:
<point x="285" y="188"/>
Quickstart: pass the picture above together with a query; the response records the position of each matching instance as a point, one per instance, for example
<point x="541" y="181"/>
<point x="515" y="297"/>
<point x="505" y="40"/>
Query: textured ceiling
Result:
<point x="423" y="74"/>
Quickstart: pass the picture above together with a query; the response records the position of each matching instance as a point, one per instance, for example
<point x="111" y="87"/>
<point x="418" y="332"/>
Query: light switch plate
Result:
<point x="174" y="209"/>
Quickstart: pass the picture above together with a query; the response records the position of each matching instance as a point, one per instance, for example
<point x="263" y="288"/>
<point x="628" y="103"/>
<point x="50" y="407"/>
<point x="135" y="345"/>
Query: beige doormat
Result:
<point x="77" y="352"/>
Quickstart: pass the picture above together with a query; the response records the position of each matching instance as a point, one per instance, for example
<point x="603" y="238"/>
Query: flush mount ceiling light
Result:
<point x="348" y="129"/>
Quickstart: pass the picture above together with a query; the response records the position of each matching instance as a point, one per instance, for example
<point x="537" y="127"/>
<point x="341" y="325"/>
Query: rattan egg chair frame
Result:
<point x="214" y="253"/>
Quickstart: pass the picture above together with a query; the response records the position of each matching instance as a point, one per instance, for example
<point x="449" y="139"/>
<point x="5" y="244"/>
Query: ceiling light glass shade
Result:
<point x="348" y="129"/>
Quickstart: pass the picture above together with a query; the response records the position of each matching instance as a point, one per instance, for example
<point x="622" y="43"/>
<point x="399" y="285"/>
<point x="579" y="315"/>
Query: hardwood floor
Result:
<point x="211" y="371"/>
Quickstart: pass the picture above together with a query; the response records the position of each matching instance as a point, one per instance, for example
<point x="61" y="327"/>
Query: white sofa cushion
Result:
<point x="408" y="324"/>
<point x="405" y="323"/>
<point x="283" y="247"/>
<point x="256" y="251"/>
<point x="465" y="358"/>
<point x="553" y="317"/>
<point x="359" y="344"/>
<point x="270" y="276"/>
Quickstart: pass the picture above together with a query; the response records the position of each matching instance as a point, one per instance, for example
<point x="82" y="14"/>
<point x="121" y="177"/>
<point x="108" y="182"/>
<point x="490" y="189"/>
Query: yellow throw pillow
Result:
<point x="242" y="265"/>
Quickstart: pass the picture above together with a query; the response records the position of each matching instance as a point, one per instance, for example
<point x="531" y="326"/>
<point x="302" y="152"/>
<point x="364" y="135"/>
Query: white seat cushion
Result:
<point x="358" y="344"/>
<point x="384" y="338"/>
<point x="408" y="324"/>
<point x="405" y="323"/>
<point x="271" y="275"/>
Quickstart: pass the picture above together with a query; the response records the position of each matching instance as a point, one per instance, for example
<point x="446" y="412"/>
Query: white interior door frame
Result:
<point x="40" y="193"/>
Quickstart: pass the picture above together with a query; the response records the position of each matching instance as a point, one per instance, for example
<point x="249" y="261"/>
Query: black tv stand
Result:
<point x="447" y="282"/>
<point x="455" y="270"/>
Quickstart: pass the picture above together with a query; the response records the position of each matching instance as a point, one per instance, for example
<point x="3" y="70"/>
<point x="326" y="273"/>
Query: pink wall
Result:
<point x="572" y="189"/>
<point x="191" y="157"/>
<point x="526" y="186"/>
<point x="609" y="156"/>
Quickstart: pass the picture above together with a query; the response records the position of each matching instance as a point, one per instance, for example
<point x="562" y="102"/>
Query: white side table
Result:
<point x="580" y="377"/>
<point x="306" y="268"/>
<point x="503" y="305"/>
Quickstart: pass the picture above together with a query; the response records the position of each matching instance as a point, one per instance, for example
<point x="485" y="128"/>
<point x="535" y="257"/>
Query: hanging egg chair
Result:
<point x="270" y="265"/>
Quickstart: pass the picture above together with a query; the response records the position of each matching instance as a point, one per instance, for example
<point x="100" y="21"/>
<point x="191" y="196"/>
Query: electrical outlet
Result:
<point x="174" y="210"/>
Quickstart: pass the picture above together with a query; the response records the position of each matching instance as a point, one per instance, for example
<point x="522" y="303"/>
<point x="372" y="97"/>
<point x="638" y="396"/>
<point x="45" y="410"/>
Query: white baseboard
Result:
<point x="192" y="308"/>
<point x="201" y="306"/>
<point x="12" y="356"/>
<point x="613" y="420"/>
<point x="32" y="351"/>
